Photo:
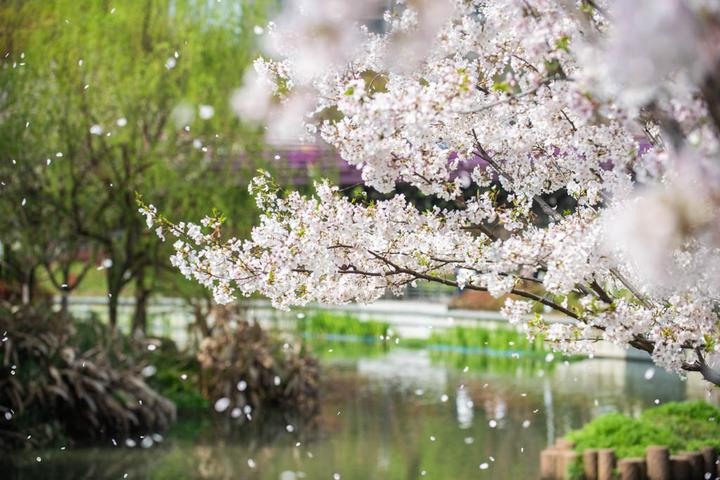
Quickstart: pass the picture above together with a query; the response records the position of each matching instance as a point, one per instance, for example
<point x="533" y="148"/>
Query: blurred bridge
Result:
<point x="300" y="164"/>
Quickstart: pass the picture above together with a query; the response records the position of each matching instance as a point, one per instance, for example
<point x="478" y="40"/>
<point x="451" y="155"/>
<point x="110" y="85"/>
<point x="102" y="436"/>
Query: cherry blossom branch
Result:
<point x="701" y="366"/>
<point x="577" y="137"/>
<point x="451" y="283"/>
<point x="597" y="7"/>
<point x="544" y="82"/>
<point x="555" y="216"/>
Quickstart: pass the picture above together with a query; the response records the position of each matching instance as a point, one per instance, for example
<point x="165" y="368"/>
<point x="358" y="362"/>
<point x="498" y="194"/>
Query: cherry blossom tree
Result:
<point x="497" y="107"/>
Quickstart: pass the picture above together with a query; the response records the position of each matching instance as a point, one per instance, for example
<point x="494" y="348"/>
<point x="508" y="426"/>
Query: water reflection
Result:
<point x="464" y="408"/>
<point x="405" y="370"/>
<point x="389" y="416"/>
<point x="549" y="411"/>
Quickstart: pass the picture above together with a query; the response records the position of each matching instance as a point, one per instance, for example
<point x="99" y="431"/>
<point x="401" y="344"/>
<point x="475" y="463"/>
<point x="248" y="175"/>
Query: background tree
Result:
<point x="101" y="101"/>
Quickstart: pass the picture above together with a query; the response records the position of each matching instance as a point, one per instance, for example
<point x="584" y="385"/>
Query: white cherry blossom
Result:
<point x="498" y="109"/>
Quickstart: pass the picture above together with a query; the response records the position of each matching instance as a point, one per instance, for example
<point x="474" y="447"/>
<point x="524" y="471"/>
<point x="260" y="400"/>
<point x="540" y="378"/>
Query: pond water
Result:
<point x="397" y="414"/>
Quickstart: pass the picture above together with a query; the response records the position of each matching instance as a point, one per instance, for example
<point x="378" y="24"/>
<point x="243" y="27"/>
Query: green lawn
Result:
<point x="93" y="283"/>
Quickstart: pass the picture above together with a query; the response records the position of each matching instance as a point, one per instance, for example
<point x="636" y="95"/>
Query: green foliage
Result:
<point x="177" y="378"/>
<point x="697" y="422"/>
<point x="563" y="43"/>
<point x="677" y="425"/>
<point x="502" y="87"/>
<point x="575" y="470"/>
<point x="327" y="329"/>
<point x="342" y="335"/>
<point x="627" y="436"/>
<point x="346" y="350"/>
<point x="501" y="339"/>
<point x="138" y="70"/>
<point x="488" y="349"/>
<point x="324" y="322"/>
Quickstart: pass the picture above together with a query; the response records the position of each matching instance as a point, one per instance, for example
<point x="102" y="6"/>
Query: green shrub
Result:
<point x="697" y="422"/>
<point x="677" y="425"/>
<point x="177" y="378"/>
<point x="575" y="470"/>
<point x="627" y="436"/>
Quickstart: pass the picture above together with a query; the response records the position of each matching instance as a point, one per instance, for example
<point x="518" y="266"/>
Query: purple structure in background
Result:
<point x="303" y="162"/>
<point x="298" y="164"/>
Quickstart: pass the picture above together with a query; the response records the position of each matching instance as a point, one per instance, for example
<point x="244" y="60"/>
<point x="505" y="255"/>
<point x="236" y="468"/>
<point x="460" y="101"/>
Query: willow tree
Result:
<point x="105" y="99"/>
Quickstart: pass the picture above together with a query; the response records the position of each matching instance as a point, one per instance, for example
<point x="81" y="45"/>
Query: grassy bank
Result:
<point x="497" y="339"/>
<point x="330" y="325"/>
<point x="335" y="335"/>
<point x="325" y="323"/>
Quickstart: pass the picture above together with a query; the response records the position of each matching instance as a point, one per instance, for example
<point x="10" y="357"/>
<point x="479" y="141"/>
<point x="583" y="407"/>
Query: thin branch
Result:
<point x="572" y="124"/>
<point x="515" y="291"/>
<point x="597" y="7"/>
<point x="509" y="99"/>
<point x="555" y="216"/>
<point x="700" y="365"/>
<point x="482" y="229"/>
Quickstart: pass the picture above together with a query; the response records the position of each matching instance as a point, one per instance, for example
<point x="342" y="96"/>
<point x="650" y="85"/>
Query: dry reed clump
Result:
<point x="51" y="389"/>
<point x="244" y="372"/>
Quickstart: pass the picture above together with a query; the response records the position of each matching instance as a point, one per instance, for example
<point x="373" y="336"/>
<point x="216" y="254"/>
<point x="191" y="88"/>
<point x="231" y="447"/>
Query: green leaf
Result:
<point x="502" y="87"/>
<point x="563" y="43"/>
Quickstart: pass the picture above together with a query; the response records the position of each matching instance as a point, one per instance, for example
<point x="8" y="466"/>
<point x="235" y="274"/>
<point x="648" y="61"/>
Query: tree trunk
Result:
<point x="25" y="294"/>
<point x="115" y="284"/>
<point x="65" y="289"/>
<point x="113" y="310"/>
<point x="139" y="322"/>
<point x="201" y="320"/>
<point x="64" y="297"/>
<point x="28" y="287"/>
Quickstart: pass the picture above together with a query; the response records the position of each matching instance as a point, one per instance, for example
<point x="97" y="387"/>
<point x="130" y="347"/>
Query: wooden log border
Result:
<point x="602" y="464"/>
